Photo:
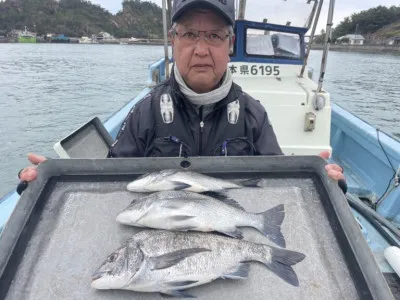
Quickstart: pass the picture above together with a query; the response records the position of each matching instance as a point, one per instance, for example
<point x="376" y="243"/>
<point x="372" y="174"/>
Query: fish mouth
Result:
<point x="98" y="274"/>
<point x="120" y="218"/>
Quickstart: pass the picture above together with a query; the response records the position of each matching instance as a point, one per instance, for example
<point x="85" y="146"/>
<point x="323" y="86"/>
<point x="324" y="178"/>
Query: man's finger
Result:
<point x="28" y="174"/>
<point x="335" y="175"/>
<point x="36" y="159"/>
<point x="325" y="154"/>
<point x="334" y="167"/>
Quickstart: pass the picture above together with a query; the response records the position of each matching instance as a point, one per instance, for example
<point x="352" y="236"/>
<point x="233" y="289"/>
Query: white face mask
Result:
<point x="206" y="98"/>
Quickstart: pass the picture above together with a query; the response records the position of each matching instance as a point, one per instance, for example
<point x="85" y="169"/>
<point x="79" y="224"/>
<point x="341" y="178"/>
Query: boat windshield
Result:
<point x="295" y="13"/>
<point x="272" y="44"/>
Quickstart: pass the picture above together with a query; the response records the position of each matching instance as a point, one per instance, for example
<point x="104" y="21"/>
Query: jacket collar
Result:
<point x="181" y="100"/>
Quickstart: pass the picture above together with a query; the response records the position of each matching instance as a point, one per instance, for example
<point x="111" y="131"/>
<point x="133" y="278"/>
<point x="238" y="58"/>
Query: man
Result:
<point x="199" y="111"/>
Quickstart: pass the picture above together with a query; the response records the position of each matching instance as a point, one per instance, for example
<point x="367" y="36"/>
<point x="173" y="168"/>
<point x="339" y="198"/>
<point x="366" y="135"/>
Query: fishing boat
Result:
<point x="60" y="39"/>
<point x="85" y="40"/>
<point x="26" y="36"/>
<point x="269" y="61"/>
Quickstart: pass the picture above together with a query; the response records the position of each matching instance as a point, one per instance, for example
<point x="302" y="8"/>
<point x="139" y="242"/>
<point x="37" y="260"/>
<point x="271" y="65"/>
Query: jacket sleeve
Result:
<point x="264" y="138"/>
<point x="134" y="134"/>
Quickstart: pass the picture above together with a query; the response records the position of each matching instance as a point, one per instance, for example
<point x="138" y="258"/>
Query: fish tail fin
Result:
<point x="270" y="224"/>
<point x="280" y="261"/>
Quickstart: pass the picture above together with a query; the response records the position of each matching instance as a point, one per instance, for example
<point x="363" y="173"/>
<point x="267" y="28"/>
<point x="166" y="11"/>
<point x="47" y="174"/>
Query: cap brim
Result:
<point x="202" y="4"/>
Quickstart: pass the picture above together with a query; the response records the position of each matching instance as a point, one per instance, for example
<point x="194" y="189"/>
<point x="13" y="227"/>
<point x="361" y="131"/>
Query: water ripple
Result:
<point x="367" y="85"/>
<point x="48" y="90"/>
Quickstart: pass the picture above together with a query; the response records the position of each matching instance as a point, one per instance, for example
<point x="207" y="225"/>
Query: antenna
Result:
<point x="166" y="61"/>
<point x="242" y="9"/>
<point x="327" y="42"/>
<point x="318" y="12"/>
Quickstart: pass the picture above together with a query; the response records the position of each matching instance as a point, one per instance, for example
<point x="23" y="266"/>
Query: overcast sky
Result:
<point x="259" y="9"/>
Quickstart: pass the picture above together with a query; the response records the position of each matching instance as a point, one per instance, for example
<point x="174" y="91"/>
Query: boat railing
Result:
<point x="356" y="142"/>
<point x="156" y="73"/>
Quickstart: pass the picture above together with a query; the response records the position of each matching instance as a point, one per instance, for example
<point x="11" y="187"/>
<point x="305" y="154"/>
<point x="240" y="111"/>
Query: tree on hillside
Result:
<point x="319" y="39"/>
<point x="76" y="18"/>
<point x="140" y="19"/>
<point x="368" y="21"/>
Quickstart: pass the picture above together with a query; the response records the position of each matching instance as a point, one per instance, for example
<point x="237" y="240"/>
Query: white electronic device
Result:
<point x="392" y="255"/>
<point x="91" y="140"/>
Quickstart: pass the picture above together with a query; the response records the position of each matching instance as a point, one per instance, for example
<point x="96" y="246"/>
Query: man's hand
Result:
<point x="334" y="171"/>
<point x="30" y="173"/>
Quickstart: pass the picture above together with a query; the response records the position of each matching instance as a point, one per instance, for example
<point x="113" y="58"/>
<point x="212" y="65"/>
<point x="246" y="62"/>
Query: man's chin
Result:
<point x="202" y="82"/>
<point x="202" y="86"/>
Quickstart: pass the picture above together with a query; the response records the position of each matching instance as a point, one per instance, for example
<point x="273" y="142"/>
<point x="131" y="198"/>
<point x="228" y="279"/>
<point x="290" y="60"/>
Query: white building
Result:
<point x="354" y="39"/>
<point x="394" y="41"/>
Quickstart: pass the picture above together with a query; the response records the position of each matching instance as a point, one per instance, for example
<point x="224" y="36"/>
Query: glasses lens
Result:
<point x="216" y="37"/>
<point x="213" y="37"/>
<point x="189" y="36"/>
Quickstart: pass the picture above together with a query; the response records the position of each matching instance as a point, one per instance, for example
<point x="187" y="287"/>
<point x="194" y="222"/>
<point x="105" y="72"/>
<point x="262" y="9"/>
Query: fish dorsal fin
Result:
<point x="169" y="259"/>
<point x="233" y="203"/>
<point x="215" y="195"/>
<point x="223" y="198"/>
<point x="252" y="182"/>
<point x="168" y="172"/>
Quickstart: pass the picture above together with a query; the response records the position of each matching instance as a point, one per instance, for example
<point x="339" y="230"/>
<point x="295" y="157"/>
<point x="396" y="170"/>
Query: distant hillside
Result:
<point x="392" y="30"/>
<point x="370" y="21"/>
<point x="139" y="19"/>
<point x="76" y="18"/>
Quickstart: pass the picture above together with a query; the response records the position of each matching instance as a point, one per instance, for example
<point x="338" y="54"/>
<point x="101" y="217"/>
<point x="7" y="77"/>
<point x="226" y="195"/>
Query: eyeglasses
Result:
<point x="212" y="37"/>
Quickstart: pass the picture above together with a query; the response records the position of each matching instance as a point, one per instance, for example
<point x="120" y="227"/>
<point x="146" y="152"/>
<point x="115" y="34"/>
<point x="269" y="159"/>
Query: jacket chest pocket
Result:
<point x="235" y="147"/>
<point x="168" y="147"/>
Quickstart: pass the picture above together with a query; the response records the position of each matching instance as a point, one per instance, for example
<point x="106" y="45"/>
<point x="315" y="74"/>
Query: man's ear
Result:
<point x="171" y="38"/>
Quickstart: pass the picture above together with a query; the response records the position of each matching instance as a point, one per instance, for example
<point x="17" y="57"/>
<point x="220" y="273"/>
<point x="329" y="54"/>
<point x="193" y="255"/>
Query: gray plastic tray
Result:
<point x="64" y="227"/>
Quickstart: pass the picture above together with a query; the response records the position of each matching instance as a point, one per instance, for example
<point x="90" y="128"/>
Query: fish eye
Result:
<point x="112" y="257"/>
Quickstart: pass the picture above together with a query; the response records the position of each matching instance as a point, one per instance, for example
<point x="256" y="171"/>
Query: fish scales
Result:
<point x="182" y="210"/>
<point x="169" y="262"/>
<point x="166" y="180"/>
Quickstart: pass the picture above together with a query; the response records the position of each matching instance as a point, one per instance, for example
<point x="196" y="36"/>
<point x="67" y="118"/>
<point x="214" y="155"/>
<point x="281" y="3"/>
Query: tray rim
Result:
<point x="313" y="166"/>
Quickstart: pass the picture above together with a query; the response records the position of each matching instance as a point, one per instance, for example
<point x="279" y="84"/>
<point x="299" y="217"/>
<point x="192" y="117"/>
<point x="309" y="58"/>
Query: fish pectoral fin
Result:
<point x="168" y="260"/>
<point x="179" y="185"/>
<point x="181" y="284"/>
<point x="176" y="293"/>
<point x="181" y="218"/>
<point x="185" y="228"/>
<point x="237" y="233"/>
<point x="238" y="272"/>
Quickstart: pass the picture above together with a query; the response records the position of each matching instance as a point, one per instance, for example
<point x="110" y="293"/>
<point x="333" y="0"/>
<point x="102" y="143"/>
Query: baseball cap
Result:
<point x="225" y="7"/>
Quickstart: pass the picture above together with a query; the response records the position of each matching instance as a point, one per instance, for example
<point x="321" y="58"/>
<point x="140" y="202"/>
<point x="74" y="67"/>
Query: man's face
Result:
<point x="201" y="65"/>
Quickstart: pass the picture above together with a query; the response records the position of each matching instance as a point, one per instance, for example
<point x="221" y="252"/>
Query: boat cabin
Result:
<point x="267" y="63"/>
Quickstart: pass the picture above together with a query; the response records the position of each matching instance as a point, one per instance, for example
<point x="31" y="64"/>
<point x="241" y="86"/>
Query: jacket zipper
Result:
<point x="201" y="130"/>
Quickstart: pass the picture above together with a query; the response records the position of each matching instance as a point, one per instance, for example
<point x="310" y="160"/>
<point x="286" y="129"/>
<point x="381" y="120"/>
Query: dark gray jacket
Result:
<point x="164" y="123"/>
